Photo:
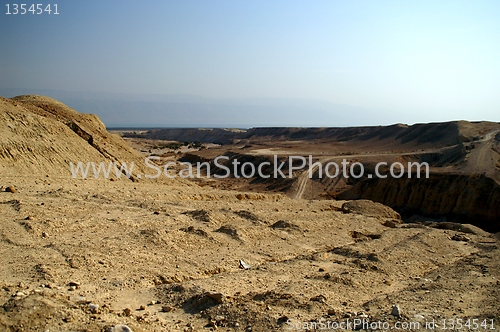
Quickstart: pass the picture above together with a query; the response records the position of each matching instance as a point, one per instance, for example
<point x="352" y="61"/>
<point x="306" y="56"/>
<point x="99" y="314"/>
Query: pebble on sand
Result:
<point x="218" y="297"/>
<point x="120" y="328"/>
<point x="244" y="265"/>
<point x="11" y="189"/>
<point x="396" y="311"/>
<point x="94" y="308"/>
<point x="167" y="308"/>
<point x="74" y="283"/>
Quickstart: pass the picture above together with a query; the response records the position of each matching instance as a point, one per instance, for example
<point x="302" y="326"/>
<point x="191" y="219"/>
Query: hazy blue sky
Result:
<point x="418" y="61"/>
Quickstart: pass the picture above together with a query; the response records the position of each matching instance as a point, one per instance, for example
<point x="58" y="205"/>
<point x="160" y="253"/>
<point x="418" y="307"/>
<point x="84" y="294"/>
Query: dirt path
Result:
<point x="481" y="157"/>
<point x="304" y="176"/>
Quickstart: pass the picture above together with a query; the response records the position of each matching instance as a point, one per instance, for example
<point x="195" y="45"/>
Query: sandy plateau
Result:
<point x="181" y="255"/>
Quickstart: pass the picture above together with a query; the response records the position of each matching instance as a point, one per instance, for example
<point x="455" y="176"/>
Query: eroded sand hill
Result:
<point x="86" y="255"/>
<point x="40" y="136"/>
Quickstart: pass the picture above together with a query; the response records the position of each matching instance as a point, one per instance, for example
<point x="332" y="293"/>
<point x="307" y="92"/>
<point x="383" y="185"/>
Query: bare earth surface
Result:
<point x="128" y="245"/>
<point x="172" y="255"/>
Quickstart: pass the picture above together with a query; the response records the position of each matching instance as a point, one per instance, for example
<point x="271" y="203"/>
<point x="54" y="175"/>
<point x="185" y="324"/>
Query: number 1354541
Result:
<point x="34" y="9"/>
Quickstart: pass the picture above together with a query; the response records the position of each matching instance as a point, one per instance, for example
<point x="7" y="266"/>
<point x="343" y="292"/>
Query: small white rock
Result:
<point x="20" y="294"/>
<point x="419" y="317"/>
<point x="80" y="299"/>
<point x="121" y="328"/>
<point x="93" y="307"/>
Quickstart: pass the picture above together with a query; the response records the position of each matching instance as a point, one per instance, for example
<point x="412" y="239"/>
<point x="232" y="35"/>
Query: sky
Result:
<point x="397" y="61"/>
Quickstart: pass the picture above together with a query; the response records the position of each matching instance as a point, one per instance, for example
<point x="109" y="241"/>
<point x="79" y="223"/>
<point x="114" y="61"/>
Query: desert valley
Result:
<point x="245" y="254"/>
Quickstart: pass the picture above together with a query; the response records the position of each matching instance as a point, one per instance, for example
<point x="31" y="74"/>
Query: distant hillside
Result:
<point x="421" y="135"/>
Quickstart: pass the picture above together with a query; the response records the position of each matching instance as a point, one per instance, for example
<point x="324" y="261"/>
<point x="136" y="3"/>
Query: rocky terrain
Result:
<point x="140" y="254"/>
<point x="463" y="159"/>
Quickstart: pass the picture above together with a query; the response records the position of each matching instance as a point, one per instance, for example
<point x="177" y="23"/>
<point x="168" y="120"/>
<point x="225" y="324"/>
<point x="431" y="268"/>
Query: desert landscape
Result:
<point x="234" y="254"/>
<point x="463" y="159"/>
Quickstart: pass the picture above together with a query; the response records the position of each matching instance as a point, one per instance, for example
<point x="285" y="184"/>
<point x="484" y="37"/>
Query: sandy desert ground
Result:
<point x="180" y="255"/>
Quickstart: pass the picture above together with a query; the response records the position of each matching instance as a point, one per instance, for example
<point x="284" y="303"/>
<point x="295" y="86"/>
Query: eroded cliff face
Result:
<point x="471" y="199"/>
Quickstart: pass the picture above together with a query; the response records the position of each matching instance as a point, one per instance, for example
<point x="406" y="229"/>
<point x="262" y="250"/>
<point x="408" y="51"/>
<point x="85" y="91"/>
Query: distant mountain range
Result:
<point x="152" y="110"/>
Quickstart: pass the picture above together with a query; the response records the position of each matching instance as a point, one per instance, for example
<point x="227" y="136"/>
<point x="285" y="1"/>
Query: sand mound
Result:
<point x="41" y="136"/>
<point x="370" y="209"/>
